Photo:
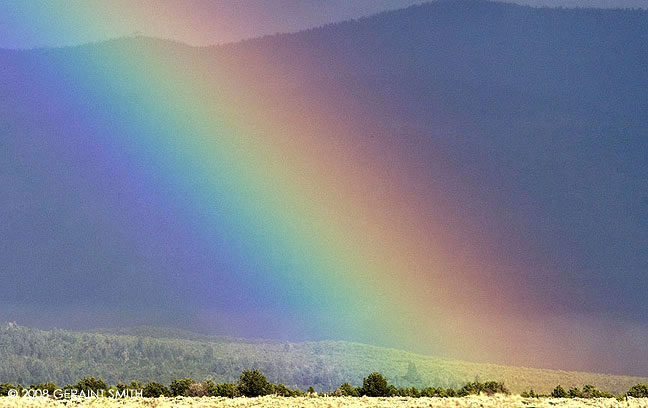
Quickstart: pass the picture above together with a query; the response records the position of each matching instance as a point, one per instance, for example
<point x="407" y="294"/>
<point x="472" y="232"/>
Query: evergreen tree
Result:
<point x="559" y="392"/>
<point x="180" y="388"/>
<point x="253" y="384"/>
<point x="154" y="390"/>
<point x="638" y="391"/>
<point x="347" y="390"/>
<point x="375" y="385"/>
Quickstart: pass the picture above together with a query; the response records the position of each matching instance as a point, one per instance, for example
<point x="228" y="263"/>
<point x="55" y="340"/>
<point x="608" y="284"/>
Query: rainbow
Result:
<point x="294" y="190"/>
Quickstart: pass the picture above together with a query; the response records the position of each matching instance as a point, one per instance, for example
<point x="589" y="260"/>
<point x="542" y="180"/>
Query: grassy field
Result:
<point x="324" y="402"/>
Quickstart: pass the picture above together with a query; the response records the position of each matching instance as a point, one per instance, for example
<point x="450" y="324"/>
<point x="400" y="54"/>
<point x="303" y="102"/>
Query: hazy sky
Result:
<point x="213" y="21"/>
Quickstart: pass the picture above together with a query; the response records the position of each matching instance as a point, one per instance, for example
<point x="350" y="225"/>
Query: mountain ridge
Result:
<point x="171" y="41"/>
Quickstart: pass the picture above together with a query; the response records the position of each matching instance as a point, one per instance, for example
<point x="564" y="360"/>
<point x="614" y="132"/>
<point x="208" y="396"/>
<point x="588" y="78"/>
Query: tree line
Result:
<point x="253" y="383"/>
<point x="590" y="391"/>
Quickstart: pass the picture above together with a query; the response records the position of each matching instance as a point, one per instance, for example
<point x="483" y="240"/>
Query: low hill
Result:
<point x="32" y="356"/>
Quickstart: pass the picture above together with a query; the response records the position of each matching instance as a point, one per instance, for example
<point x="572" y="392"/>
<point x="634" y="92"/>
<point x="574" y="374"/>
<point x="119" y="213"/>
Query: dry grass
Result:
<point x="324" y="402"/>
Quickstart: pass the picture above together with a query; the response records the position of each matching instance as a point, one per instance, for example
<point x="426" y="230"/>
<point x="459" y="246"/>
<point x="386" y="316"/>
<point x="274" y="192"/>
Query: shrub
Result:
<point x="347" y="390"/>
<point x="471" y="388"/>
<point x="179" y="388"/>
<point x="90" y="384"/>
<point x="638" y="391"/>
<point x="530" y="394"/>
<point x="254" y="384"/>
<point x="283" y="391"/>
<point x="210" y="387"/>
<point x="559" y="392"/>
<point x="429" y="392"/>
<point x="589" y="391"/>
<point x="196" y="390"/>
<point x="494" y="387"/>
<point x="154" y="390"/>
<point x="4" y="389"/>
<point x="226" y="390"/>
<point x="375" y="385"/>
<point x="406" y="392"/>
<point x="50" y="387"/>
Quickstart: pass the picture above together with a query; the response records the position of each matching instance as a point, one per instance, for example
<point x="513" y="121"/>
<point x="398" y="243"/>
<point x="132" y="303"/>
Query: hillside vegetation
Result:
<point x="34" y="356"/>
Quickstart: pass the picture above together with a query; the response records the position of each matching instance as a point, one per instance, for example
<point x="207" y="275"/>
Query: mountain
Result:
<point x="520" y="131"/>
<point x="34" y="356"/>
<point x="631" y="4"/>
<point x="212" y="22"/>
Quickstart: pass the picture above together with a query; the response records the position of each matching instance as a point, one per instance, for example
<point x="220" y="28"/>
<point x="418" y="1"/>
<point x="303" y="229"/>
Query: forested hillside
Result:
<point x="33" y="356"/>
